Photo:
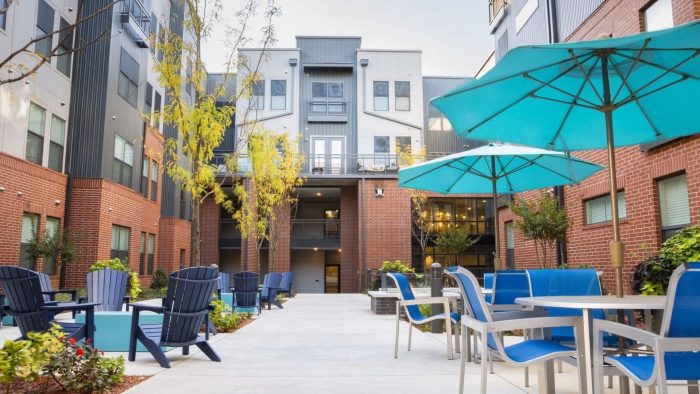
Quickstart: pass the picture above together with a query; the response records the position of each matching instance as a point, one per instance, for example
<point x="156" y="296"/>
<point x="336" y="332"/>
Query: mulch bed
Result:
<point x="47" y="385"/>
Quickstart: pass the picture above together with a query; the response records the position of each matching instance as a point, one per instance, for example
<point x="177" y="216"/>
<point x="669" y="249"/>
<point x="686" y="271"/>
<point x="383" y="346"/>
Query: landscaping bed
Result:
<point x="47" y="385"/>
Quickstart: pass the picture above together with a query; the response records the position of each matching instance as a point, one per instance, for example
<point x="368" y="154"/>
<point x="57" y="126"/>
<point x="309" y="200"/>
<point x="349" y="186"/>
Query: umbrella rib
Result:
<point x="560" y="90"/>
<point x="528" y="162"/>
<point x="641" y="96"/>
<point x="526" y="95"/>
<point x="639" y="105"/>
<point x="459" y="178"/>
<point x="586" y="75"/>
<point x="469" y="168"/>
<point x="555" y="172"/>
<point x="504" y="176"/>
<point x="667" y="69"/>
<point x="629" y="72"/>
<point x="563" y="101"/>
<point x="503" y="167"/>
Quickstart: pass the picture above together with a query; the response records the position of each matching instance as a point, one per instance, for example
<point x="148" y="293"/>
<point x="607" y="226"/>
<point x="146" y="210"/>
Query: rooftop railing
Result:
<point x="137" y="21"/>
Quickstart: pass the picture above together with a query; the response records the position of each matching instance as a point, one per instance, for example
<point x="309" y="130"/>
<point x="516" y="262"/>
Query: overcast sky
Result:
<point x="453" y="34"/>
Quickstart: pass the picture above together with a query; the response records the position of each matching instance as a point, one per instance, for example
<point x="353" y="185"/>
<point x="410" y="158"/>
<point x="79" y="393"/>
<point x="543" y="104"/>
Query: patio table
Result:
<point x="588" y="304"/>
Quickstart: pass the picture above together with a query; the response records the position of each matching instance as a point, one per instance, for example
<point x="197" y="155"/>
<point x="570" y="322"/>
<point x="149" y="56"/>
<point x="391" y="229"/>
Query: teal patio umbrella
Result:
<point x="597" y="94"/>
<point x="496" y="169"/>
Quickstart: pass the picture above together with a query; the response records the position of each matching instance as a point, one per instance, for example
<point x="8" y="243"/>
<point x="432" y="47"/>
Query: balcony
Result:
<point x="328" y="111"/>
<point x="136" y="22"/>
<point x="315" y="233"/>
<point x="497" y="11"/>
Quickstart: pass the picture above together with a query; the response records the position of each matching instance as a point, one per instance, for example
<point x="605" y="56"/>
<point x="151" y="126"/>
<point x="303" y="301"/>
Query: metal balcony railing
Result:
<point x="136" y="19"/>
<point x="328" y="110"/>
<point x="495" y="7"/>
<point x="315" y="228"/>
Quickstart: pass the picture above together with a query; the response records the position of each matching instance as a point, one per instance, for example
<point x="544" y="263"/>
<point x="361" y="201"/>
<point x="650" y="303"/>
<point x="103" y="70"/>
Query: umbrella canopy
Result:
<point x="496" y="169"/>
<point x="514" y="169"/>
<point x="586" y="95"/>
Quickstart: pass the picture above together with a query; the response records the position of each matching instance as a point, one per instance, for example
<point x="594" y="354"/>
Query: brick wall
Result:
<point x="280" y="258"/>
<point x="211" y="213"/>
<point x="349" y="255"/>
<point x="27" y="188"/>
<point x="175" y="235"/>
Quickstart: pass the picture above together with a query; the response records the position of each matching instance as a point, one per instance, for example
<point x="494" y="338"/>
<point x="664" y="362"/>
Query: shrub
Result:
<point x="222" y="317"/>
<point x="134" y="287"/>
<point x="652" y="275"/>
<point x="683" y="247"/>
<point x="160" y="279"/>
<point x="396" y="266"/>
<point x="25" y="359"/>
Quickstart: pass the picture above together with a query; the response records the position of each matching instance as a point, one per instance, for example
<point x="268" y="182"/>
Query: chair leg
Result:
<point x="185" y="350"/>
<point x="466" y="357"/>
<point x="484" y="363"/>
<point x="467" y="342"/>
<point x="610" y="381"/>
<point x="208" y="351"/>
<point x="456" y="335"/>
<point x="154" y="349"/>
<point x="396" y="341"/>
<point x="527" y="377"/>
<point x="560" y="368"/>
<point x="410" y="330"/>
<point x="490" y="356"/>
<point x="448" y="336"/>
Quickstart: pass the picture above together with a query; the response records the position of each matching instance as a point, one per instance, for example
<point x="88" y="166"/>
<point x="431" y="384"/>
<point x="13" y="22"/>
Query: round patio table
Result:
<point x="588" y="304"/>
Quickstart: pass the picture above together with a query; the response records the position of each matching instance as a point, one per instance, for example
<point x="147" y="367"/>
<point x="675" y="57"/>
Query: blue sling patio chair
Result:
<point x="185" y="308"/>
<point x="536" y="350"/>
<point x="286" y="284"/>
<point x="32" y="313"/>
<point x="245" y="291"/>
<point x="410" y="304"/>
<point x="271" y="285"/>
<point x="676" y="349"/>
<point x="488" y="285"/>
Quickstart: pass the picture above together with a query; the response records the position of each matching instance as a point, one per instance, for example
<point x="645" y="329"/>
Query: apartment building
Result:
<point x="658" y="182"/>
<point x="77" y="151"/>
<point x="351" y="109"/>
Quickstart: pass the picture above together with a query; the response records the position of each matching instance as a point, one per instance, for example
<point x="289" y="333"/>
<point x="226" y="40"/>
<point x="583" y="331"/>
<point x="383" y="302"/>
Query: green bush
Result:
<point x="396" y="266"/>
<point x="683" y="247"/>
<point x="25" y="359"/>
<point x="222" y="317"/>
<point x="652" y="275"/>
<point x="134" y="287"/>
<point x="160" y="279"/>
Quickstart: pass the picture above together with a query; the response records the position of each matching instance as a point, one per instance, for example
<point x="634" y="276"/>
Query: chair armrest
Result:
<point x="513" y="315"/>
<point x="623" y="330"/>
<point x="138" y="307"/>
<point x="505" y="307"/>
<point x="677" y="344"/>
<point x="70" y="306"/>
<point x="533" y="322"/>
<point x="424" y="301"/>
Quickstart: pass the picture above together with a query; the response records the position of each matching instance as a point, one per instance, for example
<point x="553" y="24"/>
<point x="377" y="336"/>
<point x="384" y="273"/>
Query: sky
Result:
<point x="453" y="34"/>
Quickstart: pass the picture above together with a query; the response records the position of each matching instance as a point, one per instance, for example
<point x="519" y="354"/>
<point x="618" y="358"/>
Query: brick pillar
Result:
<point x="387" y="223"/>
<point x="281" y="227"/>
<point x="211" y="213"/>
<point x="249" y="251"/>
<point x="349" y="261"/>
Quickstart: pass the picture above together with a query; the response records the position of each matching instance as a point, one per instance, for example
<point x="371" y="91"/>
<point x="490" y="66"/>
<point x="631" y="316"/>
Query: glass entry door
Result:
<point x="327" y="153"/>
<point x="332" y="283"/>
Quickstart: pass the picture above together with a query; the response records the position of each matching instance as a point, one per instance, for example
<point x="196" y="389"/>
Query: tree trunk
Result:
<point x="197" y="236"/>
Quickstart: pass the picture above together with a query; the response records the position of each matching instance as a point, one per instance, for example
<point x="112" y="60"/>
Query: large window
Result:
<point x="144" y="176"/>
<point x="437" y="121"/>
<point x="151" y="253"/>
<point x="402" y="93"/>
<point x="599" y="210"/>
<point x="142" y="254"/>
<point x="154" y="181"/>
<point x="403" y="144"/>
<point x="327" y="90"/>
<point x="257" y="101"/>
<point x="44" y="26"/>
<point x="50" y="232"/>
<point x="278" y="94"/>
<point x="128" y="87"/>
<point x="381" y="95"/>
<point x="120" y="243"/>
<point x="673" y="205"/>
<point x="35" y="134"/>
<point x="658" y="15"/>
<point x="381" y="144"/>
<point x="30" y="223"/>
<point x="58" y="135"/>
<point x="156" y="109"/>
<point x="65" y="46"/>
<point x="123" y="163"/>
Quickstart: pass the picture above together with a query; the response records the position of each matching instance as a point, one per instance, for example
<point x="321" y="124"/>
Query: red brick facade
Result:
<point x="638" y="172"/>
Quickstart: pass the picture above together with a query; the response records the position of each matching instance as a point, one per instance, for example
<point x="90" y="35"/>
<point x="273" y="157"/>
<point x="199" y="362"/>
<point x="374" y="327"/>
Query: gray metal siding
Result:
<point x="534" y="31"/>
<point x="571" y="13"/>
<point x="88" y="96"/>
<point x="328" y="50"/>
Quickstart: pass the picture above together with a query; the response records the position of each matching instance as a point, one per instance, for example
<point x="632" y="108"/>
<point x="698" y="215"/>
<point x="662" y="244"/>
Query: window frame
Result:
<point x="131" y="85"/>
<point x="257" y="101"/>
<point x="607" y="206"/>
<point x="142" y="253"/>
<point x="49" y="265"/>
<point x="154" y="180"/>
<point x="121" y="254"/>
<point x="3" y="17"/>
<point x="150" y="253"/>
<point x="24" y="258"/>
<point x="33" y="133"/>
<point x="402" y="96"/>
<point x="667" y="230"/>
<point x="56" y="145"/>
<point x="123" y="165"/>
<point x="278" y="95"/>
<point x="375" y="96"/>
<point x="64" y="58"/>
<point x="145" y="172"/>
<point x="49" y="38"/>
<point x="388" y="144"/>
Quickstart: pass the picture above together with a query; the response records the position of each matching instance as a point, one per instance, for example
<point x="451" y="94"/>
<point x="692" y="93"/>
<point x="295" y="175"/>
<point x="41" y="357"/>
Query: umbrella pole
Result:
<point x="497" y="250"/>
<point x="617" y="248"/>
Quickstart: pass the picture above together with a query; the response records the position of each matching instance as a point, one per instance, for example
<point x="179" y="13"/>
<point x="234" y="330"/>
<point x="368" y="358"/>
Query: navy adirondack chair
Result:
<point x="184" y="309"/>
<point x="108" y="288"/>
<point x="32" y="313"/>
<point x="223" y="284"/>
<point x="270" y="289"/>
<point x="50" y="293"/>
<point x="286" y="284"/>
<point x="245" y="291"/>
<point x="676" y="349"/>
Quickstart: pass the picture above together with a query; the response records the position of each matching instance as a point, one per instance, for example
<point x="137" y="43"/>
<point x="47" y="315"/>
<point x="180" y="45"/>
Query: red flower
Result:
<point x="72" y="341"/>
<point x="80" y="352"/>
<point x="87" y="340"/>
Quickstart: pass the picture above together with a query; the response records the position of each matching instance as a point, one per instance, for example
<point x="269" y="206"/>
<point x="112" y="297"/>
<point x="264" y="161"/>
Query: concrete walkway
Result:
<point x="326" y="344"/>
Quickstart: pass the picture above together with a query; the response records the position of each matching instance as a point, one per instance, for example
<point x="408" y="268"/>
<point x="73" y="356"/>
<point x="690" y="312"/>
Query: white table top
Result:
<point x="596" y="302"/>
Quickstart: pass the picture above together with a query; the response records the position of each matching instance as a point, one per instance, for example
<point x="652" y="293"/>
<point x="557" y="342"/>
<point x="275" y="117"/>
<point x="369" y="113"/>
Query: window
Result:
<point x="3" y="4"/>
<point x="437" y="121"/>
<point x="257" y="101"/>
<point x="599" y="210"/>
<point x="278" y="94"/>
<point x="182" y="258"/>
<point x="128" y="78"/>
<point x="658" y="15"/>
<point x="156" y="107"/>
<point x="673" y="204"/>
<point x="35" y="134"/>
<point x="182" y="203"/>
<point x="154" y="181"/>
<point x="58" y="135"/>
<point x="402" y="91"/>
<point x="44" y="26"/>
<point x="381" y="95"/>
<point x="30" y="223"/>
<point x="147" y="103"/>
<point x="510" y="245"/>
<point x="144" y="177"/>
<point x="403" y="144"/>
<point x="120" y="243"/>
<point x="161" y="38"/>
<point x="151" y="253"/>
<point x="51" y="231"/>
<point x="327" y="90"/>
<point x="154" y="31"/>
<point x="381" y="144"/>
<point x="65" y="46"/>
<point x="142" y="254"/>
<point x="123" y="161"/>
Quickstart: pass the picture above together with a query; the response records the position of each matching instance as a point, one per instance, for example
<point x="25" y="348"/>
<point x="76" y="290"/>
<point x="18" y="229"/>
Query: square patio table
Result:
<point x="113" y="329"/>
<point x="589" y="303"/>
